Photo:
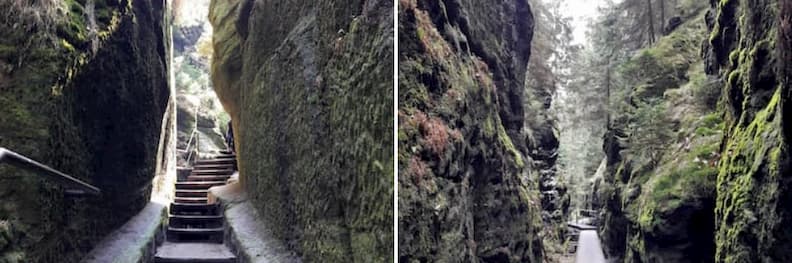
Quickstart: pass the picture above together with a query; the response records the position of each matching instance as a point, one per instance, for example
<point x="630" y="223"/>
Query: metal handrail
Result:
<point x="19" y="161"/>
<point x="193" y="135"/>
<point x="189" y="143"/>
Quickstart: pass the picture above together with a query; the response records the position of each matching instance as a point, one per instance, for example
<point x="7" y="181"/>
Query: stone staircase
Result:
<point x="195" y="227"/>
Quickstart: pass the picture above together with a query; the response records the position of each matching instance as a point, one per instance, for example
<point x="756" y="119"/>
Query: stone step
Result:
<point x="212" y="172"/>
<point x="216" y="161"/>
<point x="191" y="193"/>
<point x="221" y="166"/>
<point x="193" y="253"/>
<point x="208" y="178"/>
<point x="195" y="221"/>
<point x="193" y="224"/>
<point x="193" y="209"/>
<point x="202" y="185"/>
<point x="211" y="235"/>
<point x="190" y="200"/>
<point x="182" y="259"/>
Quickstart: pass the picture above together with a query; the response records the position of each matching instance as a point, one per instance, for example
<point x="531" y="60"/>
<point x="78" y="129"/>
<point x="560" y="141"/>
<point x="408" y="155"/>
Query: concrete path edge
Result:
<point x="135" y="241"/>
<point x="246" y="233"/>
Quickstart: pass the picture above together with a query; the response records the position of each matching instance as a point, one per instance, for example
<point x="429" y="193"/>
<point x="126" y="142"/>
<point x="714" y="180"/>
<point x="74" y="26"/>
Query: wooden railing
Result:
<point x="72" y="185"/>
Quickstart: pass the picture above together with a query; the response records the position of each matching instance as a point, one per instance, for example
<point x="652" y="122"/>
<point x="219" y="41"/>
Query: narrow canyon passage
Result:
<point x="137" y="101"/>
<point x="593" y="131"/>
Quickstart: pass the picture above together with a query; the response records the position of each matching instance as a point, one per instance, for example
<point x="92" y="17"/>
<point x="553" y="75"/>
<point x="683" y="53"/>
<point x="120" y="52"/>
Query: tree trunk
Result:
<point x="662" y="15"/>
<point x="650" y="19"/>
<point x="607" y="95"/>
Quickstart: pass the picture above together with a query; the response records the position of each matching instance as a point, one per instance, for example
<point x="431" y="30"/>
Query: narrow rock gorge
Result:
<point x="308" y="86"/>
<point x="697" y="153"/>
<point x="658" y="128"/>
<point x="59" y="105"/>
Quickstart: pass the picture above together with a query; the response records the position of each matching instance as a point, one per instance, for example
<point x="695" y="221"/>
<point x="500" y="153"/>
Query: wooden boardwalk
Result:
<point x="589" y="248"/>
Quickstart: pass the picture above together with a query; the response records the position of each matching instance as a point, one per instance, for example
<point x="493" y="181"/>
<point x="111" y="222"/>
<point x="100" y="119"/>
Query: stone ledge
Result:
<point x="135" y="241"/>
<point x="246" y="233"/>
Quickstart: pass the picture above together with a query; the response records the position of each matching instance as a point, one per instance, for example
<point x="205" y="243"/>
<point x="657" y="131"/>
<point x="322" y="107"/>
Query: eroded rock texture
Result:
<point x="731" y="203"/>
<point x="750" y="43"/>
<point x="84" y="91"/>
<point x="468" y="188"/>
<point x="309" y="87"/>
<point x="661" y="210"/>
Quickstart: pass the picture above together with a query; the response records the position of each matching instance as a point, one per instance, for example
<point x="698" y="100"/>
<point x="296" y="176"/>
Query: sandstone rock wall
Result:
<point x="309" y="88"/>
<point x="750" y="46"/>
<point x="468" y="187"/>
<point x="729" y="201"/>
<point x="89" y="101"/>
<point x="662" y="211"/>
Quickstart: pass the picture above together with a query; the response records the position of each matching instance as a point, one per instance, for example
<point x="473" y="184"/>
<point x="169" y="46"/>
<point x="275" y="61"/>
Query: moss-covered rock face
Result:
<point x="309" y="87"/>
<point x="753" y="186"/>
<point x="745" y="194"/>
<point x="662" y="210"/>
<point x="468" y="192"/>
<point x="83" y="90"/>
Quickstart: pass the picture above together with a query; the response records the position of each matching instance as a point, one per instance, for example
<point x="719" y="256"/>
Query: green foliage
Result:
<point x="649" y="131"/>
<point x="75" y="29"/>
<point x="710" y="124"/>
<point x="681" y="185"/>
<point x="191" y="78"/>
<point x="695" y="179"/>
<point x="665" y="65"/>
<point x="706" y="91"/>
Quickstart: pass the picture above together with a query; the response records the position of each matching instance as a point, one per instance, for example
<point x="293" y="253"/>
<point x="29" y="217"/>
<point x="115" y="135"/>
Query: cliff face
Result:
<point x="84" y="91"/>
<point x="727" y="198"/>
<point x="750" y="46"/>
<point x="308" y="85"/>
<point x="658" y="207"/>
<point x="468" y="190"/>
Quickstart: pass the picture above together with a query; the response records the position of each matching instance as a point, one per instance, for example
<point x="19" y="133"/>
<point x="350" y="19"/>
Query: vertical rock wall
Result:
<point x="468" y="190"/>
<point x="731" y="204"/>
<point x="660" y="209"/>
<point x="84" y="92"/>
<point x="309" y="87"/>
<point x="750" y="43"/>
